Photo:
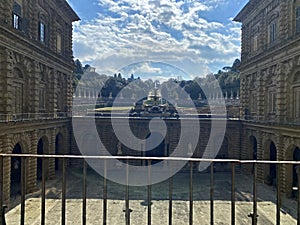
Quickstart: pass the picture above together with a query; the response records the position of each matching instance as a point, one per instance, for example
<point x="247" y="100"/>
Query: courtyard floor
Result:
<point x="160" y="203"/>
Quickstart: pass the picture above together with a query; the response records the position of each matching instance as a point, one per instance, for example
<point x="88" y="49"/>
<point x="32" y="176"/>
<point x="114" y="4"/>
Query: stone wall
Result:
<point x="140" y="128"/>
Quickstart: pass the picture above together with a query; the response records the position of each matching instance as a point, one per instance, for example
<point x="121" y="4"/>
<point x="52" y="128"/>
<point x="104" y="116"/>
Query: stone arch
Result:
<point x="158" y="151"/>
<point x="88" y="142"/>
<point x="15" y="170"/>
<point x="292" y="154"/>
<point x="59" y="149"/>
<point x="223" y="152"/>
<point x="224" y="149"/>
<point x="19" y="145"/>
<point x="253" y="147"/>
<point x="60" y="144"/>
<point x="23" y="140"/>
<point x="42" y="148"/>
<point x="270" y="153"/>
<point x="189" y="145"/>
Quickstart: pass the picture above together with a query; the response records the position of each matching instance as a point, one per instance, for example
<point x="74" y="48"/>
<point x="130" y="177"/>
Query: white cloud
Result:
<point x="130" y="31"/>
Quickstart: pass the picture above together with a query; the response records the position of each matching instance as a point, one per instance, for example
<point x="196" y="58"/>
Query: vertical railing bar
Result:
<point x="105" y="194"/>
<point x="127" y="210"/>
<point x="43" y="208"/>
<point x="254" y="219"/>
<point x="233" y="194"/>
<point x="298" y="197"/>
<point x="149" y="192"/>
<point x="170" y="195"/>
<point x="191" y="194"/>
<point x="63" y="197"/>
<point x="23" y="189"/>
<point x="1" y="190"/>
<point x="212" y="193"/>
<point x="84" y="194"/>
<point x="278" y="195"/>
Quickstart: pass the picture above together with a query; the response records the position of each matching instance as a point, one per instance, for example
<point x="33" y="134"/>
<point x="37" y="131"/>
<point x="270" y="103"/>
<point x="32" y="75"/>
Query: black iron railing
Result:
<point x="4" y="118"/>
<point x="127" y="210"/>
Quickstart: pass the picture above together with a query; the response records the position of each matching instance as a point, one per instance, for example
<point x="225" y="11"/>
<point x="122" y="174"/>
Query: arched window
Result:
<point x="272" y="27"/>
<point x="272" y="31"/>
<point x="43" y="29"/>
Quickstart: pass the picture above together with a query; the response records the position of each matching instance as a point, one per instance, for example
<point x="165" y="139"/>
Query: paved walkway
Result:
<point x="160" y="203"/>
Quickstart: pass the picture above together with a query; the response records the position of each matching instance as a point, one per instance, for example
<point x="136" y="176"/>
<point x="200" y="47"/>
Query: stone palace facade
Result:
<point x="270" y="86"/>
<point x="36" y="64"/>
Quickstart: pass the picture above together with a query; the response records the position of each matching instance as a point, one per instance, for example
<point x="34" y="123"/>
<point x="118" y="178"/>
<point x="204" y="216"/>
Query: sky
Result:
<point x="157" y="38"/>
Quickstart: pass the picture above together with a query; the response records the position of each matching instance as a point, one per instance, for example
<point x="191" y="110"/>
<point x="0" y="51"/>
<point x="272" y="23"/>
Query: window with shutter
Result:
<point x="17" y="16"/>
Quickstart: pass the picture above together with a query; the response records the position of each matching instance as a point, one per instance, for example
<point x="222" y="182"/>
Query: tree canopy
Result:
<point x="228" y="78"/>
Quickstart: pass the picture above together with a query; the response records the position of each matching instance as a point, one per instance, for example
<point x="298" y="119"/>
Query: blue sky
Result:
<point x="143" y="36"/>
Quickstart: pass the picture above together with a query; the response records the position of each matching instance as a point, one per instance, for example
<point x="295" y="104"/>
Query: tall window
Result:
<point x="297" y="102"/>
<point x="253" y="104"/>
<point x="17" y="16"/>
<point x="58" y="42"/>
<point x="298" y="20"/>
<point x="272" y="102"/>
<point x="18" y="91"/>
<point x="255" y="43"/>
<point x="42" y="32"/>
<point x="42" y="98"/>
<point x="272" y="32"/>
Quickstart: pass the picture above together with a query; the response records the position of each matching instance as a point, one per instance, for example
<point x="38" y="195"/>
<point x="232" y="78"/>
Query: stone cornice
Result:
<point x="245" y="12"/>
<point x="252" y="6"/>
<point x="66" y="8"/>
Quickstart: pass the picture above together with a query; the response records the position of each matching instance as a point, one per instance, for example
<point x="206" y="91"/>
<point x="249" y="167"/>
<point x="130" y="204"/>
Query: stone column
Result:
<point x="4" y="69"/>
<point x="6" y="147"/>
<point x="243" y="96"/>
<point x="51" y="161"/>
<point x="280" y="156"/>
<point x="32" y="163"/>
<point x="281" y="95"/>
<point x="69" y="92"/>
<point x="34" y="87"/>
<point x="261" y="96"/>
<point x="8" y="95"/>
<point x="260" y="156"/>
<point x="298" y="211"/>
<point x="52" y="95"/>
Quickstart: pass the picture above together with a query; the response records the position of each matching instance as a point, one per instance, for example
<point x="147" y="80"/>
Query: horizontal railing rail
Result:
<point x="237" y="161"/>
<point x="127" y="210"/>
<point x="14" y="117"/>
